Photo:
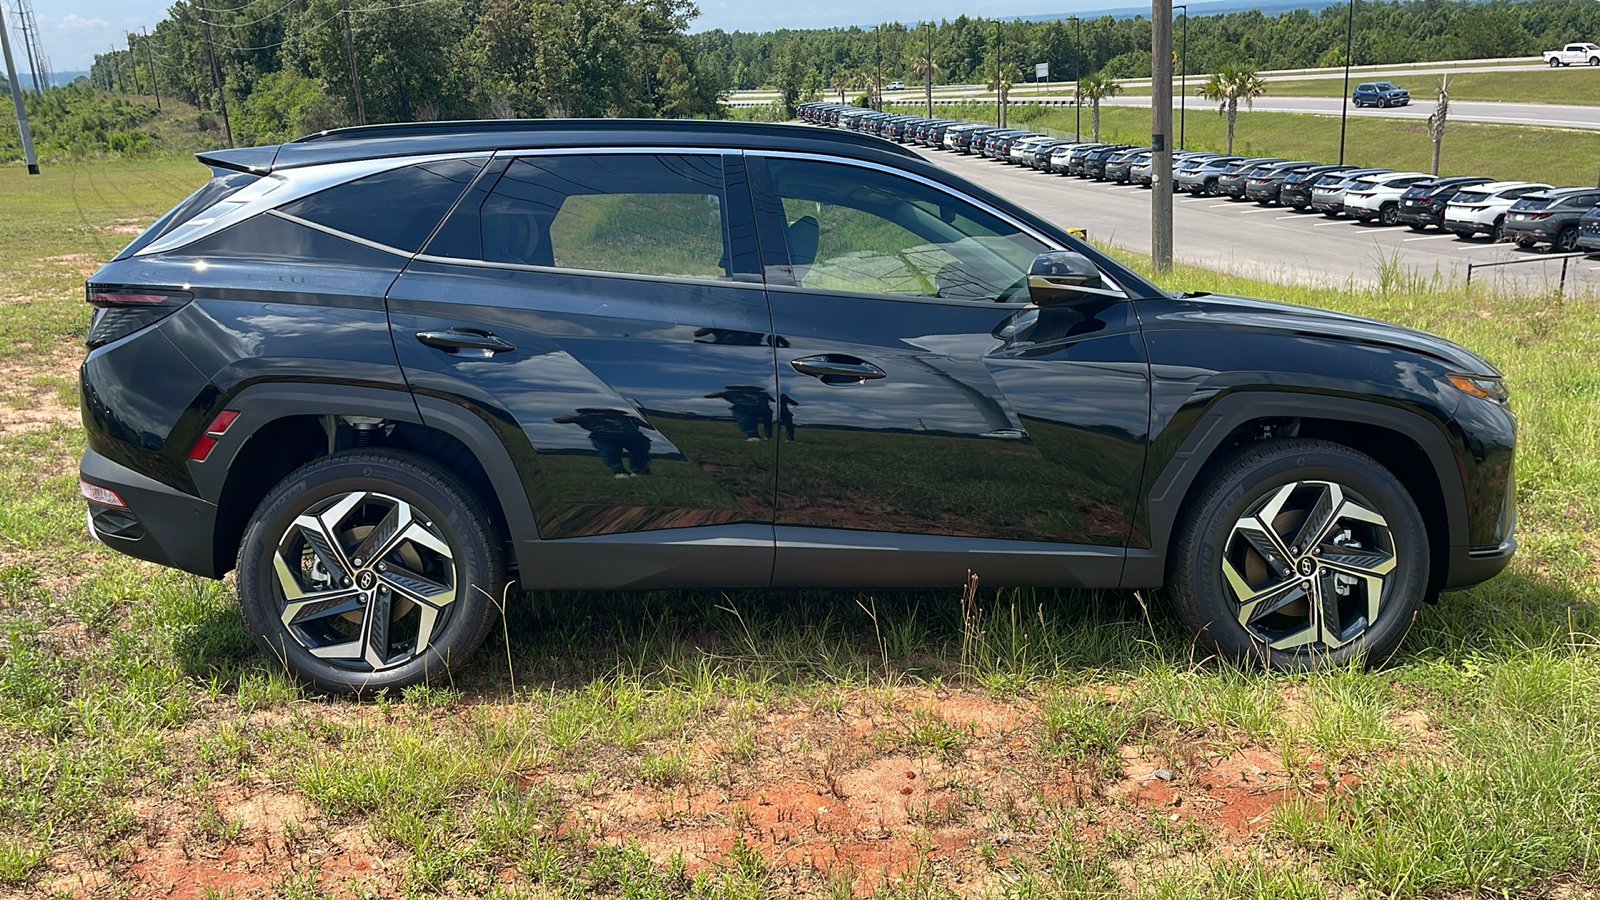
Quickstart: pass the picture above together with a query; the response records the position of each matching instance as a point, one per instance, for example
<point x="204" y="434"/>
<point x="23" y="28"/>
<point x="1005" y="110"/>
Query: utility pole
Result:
<point x="216" y="82"/>
<point x="27" y="47"/>
<point x="134" y="60"/>
<point x="1077" y="90"/>
<point x="1160" y="132"/>
<point x="1344" y="106"/>
<point x="155" y="83"/>
<point x="1183" y="74"/>
<point x="355" y="77"/>
<point x="16" y="100"/>
<point x="927" y="70"/>
<point x="999" y="109"/>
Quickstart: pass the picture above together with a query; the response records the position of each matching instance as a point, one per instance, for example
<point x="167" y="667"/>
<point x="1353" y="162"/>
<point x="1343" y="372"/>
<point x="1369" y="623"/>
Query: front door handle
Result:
<point x="837" y="368"/>
<point x="458" y="339"/>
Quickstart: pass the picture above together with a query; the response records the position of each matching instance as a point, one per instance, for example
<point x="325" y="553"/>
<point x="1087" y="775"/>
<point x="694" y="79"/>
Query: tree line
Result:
<point x="283" y="67"/>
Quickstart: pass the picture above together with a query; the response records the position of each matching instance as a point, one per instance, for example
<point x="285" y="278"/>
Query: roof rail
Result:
<point x="512" y="126"/>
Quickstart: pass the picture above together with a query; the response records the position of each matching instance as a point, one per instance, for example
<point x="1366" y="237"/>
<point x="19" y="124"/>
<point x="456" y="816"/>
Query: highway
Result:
<point x="1550" y="115"/>
<point x="1269" y="242"/>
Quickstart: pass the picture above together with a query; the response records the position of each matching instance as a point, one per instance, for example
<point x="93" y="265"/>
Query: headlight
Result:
<point x="1486" y="386"/>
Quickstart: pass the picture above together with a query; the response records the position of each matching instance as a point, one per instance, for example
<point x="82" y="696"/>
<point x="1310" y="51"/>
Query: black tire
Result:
<point x="1213" y="547"/>
<point x="1418" y="228"/>
<point x="444" y="599"/>
<point x="1594" y="60"/>
<point x="1554" y="63"/>
<point x="1525" y="243"/>
<point x="1388" y="214"/>
<point x="1498" y="233"/>
<point x="1566" y="241"/>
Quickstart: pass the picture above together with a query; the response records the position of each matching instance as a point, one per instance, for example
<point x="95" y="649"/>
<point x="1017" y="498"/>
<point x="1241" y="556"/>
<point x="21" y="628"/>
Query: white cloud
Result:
<point x="73" y="20"/>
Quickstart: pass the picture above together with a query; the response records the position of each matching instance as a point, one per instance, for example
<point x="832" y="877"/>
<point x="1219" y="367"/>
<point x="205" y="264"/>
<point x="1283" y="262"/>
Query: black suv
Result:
<point x="387" y="372"/>
<point x="1423" y="203"/>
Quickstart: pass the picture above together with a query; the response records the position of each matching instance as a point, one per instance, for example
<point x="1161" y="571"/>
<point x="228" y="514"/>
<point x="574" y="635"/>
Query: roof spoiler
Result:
<point x="255" y="160"/>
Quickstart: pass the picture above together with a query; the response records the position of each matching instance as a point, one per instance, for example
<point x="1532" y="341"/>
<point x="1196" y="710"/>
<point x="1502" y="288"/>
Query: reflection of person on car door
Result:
<point x="751" y="407"/>
<point x="613" y="433"/>
<point x="786" y="406"/>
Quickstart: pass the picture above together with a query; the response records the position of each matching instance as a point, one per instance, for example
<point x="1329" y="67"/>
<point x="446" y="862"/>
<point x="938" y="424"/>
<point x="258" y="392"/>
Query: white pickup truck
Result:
<point x="1579" y="54"/>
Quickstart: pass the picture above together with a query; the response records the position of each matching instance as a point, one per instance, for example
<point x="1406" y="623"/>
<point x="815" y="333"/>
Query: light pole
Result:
<point x="1183" y="72"/>
<point x="1077" y="77"/>
<point x="1344" y="103"/>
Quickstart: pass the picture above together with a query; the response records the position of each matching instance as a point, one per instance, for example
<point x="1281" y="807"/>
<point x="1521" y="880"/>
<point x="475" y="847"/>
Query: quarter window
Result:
<point x="630" y="213"/>
<point x="859" y="230"/>
<point x="398" y="208"/>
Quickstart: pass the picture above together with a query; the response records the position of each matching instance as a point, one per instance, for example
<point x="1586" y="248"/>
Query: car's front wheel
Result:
<point x="370" y="569"/>
<point x="1301" y="554"/>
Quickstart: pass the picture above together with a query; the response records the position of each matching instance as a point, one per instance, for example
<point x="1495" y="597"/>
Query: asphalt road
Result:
<point x="1547" y="114"/>
<point x="1268" y="242"/>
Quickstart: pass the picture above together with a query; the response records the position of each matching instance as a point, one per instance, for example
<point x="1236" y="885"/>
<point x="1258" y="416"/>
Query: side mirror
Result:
<point x="1064" y="277"/>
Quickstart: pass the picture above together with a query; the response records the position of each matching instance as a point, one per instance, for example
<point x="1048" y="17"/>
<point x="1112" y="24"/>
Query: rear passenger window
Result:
<point x="631" y="213"/>
<point x="397" y="209"/>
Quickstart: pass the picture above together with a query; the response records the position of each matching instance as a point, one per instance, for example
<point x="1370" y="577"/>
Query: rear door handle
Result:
<point x="837" y="368"/>
<point x="458" y="339"/>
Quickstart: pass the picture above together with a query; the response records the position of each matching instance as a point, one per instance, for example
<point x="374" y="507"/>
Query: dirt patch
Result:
<point x="30" y="395"/>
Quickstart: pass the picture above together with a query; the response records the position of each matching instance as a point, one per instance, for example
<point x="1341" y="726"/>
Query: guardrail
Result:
<point x="1565" y="258"/>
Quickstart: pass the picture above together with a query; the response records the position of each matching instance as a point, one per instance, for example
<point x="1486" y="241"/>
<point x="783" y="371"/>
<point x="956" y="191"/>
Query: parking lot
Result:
<point x="1272" y="242"/>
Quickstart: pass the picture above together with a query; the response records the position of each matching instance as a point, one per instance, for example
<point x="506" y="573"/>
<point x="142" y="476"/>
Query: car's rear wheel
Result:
<point x="1554" y="63"/>
<point x="1388" y="214"/>
<point x="1567" y="240"/>
<point x="368" y="570"/>
<point x="1594" y="60"/>
<point x="1301" y="554"/>
<point x="1525" y="242"/>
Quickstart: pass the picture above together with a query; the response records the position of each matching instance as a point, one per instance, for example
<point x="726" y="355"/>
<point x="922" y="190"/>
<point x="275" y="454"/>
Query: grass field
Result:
<point x="1497" y="151"/>
<point x="913" y="746"/>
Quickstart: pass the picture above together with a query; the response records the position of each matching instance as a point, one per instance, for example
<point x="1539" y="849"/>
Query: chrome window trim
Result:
<point x="602" y="273"/>
<point x="278" y="213"/>
<point x="281" y="188"/>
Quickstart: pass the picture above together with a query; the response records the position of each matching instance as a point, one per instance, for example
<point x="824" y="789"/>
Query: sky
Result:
<point x="74" y="30"/>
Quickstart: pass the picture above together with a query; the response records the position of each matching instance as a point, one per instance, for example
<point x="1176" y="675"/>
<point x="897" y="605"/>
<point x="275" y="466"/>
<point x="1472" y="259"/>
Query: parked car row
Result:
<point x="1525" y="212"/>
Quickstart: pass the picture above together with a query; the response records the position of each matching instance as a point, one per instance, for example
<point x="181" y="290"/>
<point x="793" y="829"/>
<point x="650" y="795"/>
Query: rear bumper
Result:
<point x="1589" y="242"/>
<point x="1420" y="217"/>
<point x="160" y="524"/>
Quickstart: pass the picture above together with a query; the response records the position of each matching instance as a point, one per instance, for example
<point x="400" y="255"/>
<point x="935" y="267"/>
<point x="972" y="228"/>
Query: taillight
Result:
<point x="214" y="433"/>
<point x="121" y="311"/>
<point x="1537" y="216"/>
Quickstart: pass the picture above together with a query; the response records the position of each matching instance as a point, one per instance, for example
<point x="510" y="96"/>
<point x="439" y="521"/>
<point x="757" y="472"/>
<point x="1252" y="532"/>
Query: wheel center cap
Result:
<point x="366" y="580"/>
<point x="1307" y="566"/>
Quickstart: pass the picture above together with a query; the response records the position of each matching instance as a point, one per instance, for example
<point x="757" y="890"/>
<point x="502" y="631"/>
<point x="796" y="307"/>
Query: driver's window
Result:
<point x="858" y="230"/>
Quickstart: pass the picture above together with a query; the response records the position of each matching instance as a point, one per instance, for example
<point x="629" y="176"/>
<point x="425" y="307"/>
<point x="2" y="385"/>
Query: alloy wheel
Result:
<point x="1308" y="566"/>
<point x="366" y="579"/>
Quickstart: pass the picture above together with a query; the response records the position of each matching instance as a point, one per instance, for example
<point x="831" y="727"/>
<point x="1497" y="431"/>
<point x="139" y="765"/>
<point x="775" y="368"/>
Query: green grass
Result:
<point x="708" y="744"/>
<point x="1506" y="152"/>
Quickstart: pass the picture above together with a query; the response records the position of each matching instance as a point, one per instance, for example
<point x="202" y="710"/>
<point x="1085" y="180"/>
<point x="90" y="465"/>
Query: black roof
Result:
<point x="419" y="138"/>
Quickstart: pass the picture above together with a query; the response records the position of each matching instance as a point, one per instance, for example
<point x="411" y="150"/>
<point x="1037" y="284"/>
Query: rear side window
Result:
<point x="397" y="209"/>
<point x="1470" y="197"/>
<point x="629" y="213"/>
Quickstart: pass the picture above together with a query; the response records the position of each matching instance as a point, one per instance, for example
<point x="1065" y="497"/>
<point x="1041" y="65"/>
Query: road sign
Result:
<point x="1041" y="71"/>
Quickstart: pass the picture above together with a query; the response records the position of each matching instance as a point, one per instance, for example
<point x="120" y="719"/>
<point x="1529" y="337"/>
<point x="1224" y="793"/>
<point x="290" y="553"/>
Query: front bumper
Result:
<point x="160" y="524"/>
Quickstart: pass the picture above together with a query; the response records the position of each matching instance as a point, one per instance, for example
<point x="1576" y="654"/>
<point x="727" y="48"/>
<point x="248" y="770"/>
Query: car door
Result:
<point x="934" y="420"/>
<point x="603" y="312"/>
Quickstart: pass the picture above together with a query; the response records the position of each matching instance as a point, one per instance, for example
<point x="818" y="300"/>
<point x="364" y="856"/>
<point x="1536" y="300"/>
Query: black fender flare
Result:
<point x="261" y="404"/>
<point x="1167" y="492"/>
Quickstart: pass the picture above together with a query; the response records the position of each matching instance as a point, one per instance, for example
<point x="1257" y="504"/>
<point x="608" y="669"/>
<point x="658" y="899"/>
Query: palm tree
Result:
<point x="1441" y="112"/>
<point x="923" y="68"/>
<point x="1227" y="87"/>
<point x="1096" y="87"/>
<point x="1001" y="83"/>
